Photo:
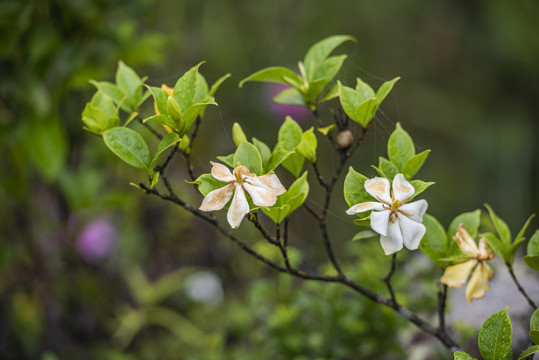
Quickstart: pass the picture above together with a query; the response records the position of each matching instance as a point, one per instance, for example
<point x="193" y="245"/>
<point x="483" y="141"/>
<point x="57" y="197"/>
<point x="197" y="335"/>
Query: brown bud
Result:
<point x="345" y="139"/>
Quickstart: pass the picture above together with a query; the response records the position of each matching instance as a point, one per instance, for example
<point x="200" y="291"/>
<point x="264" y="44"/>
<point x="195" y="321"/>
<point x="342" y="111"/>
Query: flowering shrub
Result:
<point x="254" y="189"/>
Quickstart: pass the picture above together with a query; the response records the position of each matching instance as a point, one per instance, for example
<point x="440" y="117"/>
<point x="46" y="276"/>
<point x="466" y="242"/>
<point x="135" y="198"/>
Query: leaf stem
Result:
<point x="520" y="288"/>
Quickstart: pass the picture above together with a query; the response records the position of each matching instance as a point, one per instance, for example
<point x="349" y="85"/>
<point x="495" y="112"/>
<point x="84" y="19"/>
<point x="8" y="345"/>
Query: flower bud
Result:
<point x="345" y="139"/>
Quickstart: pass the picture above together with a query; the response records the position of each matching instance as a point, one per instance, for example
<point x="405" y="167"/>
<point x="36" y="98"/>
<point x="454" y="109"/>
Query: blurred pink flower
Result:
<point x="298" y="113"/>
<point x="96" y="240"/>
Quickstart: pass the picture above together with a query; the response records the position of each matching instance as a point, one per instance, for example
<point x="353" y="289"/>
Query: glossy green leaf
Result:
<point x="365" y="234"/>
<point x="276" y="74"/>
<point x="276" y="158"/>
<point x="327" y="70"/>
<point x="400" y="147"/>
<point x="169" y="140"/>
<point x="186" y="86"/>
<point x="194" y="111"/>
<point x="320" y="51"/>
<point x="129" y="146"/>
<point x="388" y="168"/>
<point x="350" y="100"/>
<point x="533" y="244"/>
<point x="354" y="188"/>
<point x="288" y="202"/>
<point x="290" y="96"/>
<point x="459" y="355"/>
<point x="114" y="92"/>
<point x="290" y="134"/>
<point x="207" y="183"/>
<point x="201" y="92"/>
<point x="238" y="136"/>
<point x="364" y="90"/>
<point x="229" y="160"/>
<point x="127" y="80"/>
<point x="495" y="336"/>
<point x="364" y="113"/>
<point x="413" y="164"/>
<point x="529" y="351"/>
<point x="95" y="119"/>
<point x="532" y="261"/>
<point x="247" y="154"/>
<point x="471" y="222"/>
<point x="534" y="326"/>
<point x="328" y="130"/>
<point x="265" y="153"/>
<point x="104" y="102"/>
<point x="420" y="186"/>
<point x="501" y="227"/>
<point x="308" y="144"/>
<point x="365" y="221"/>
<point x="434" y="243"/>
<point x="160" y="97"/>
<point x="163" y="120"/>
<point x="495" y="244"/>
<point x="217" y="84"/>
<point x="384" y="90"/>
<point x="277" y="213"/>
<point x="330" y="94"/>
<point x="174" y="110"/>
<point x="294" y="163"/>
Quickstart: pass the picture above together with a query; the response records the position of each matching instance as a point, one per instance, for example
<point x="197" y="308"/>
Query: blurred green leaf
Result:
<point x="238" y="136"/>
<point x="434" y="244"/>
<point x="501" y="227"/>
<point x="529" y="351"/>
<point x="290" y="96"/>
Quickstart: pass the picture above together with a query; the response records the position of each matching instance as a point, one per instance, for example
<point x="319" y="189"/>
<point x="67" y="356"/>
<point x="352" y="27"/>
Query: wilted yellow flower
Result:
<point x="170" y="92"/>
<point x="456" y="275"/>
<point x="262" y="189"/>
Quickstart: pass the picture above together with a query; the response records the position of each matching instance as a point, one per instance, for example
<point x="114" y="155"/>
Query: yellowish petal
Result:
<point x="168" y="90"/>
<point x="261" y="194"/>
<point x="478" y="283"/>
<point x="361" y="207"/>
<point x="239" y="207"/>
<point x="466" y="243"/>
<point x="272" y="181"/>
<point x="456" y="275"/>
<point x="217" y="199"/>
<point x="485" y="252"/>
<point x="379" y="189"/>
<point x="402" y="189"/>
<point x="221" y="172"/>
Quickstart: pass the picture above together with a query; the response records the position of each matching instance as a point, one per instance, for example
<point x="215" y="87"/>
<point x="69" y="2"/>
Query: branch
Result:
<point x="520" y="288"/>
<point x="442" y="297"/>
<point x="387" y="279"/>
<point x="151" y="129"/>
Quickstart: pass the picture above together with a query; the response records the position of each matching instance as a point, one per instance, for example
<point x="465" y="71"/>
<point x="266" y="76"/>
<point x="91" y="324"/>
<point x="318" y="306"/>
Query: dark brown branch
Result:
<point x="150" y="128"/>
<point x="387" y="279"/>
<point x="258" y="225"/>
<point x="520" y="288"/>
<point x="442" y="297"/>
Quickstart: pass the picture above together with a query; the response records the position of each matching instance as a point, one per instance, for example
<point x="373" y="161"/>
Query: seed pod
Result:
<point x="345" y="139"/>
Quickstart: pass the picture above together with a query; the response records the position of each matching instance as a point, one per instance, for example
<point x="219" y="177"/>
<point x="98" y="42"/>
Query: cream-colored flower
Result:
<point x="170" y="92"/>
<point x="262" y="189"/>
<point x="456" y="275"/>
<point x="397" y="221"/>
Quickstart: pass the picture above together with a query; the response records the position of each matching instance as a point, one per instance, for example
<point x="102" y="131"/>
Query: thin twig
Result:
<point x="254" y="220"/>
<point x="150" y="128"/>
<point x="520" y="288"/>
<point x="442" y="297"/>
<point x="387" y="279"/>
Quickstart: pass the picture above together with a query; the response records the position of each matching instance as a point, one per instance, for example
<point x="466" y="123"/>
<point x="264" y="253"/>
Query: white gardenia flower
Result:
<point x="262" y="189"/>
<point x="397" y="221"/>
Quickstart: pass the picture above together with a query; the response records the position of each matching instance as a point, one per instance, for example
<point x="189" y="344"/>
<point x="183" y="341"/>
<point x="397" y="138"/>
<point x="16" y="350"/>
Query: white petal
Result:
<point x="466" y="243"/>
<point x="261" y="194"/>
<point x="416" y="208"/>
<point x="412" y="232"/>
<point x="380" y="221"/>
<point x="221" y="172"/>
<point x="379" y="189"/>
<point x="485" y="250"/>
<point x="238" y="208"/>
<point x="273" y="182"/>
<point x="402" y="189"/>
<point x="217" y="199"/>
<point x="393" y="241"/>
<point x="361" y="207"/>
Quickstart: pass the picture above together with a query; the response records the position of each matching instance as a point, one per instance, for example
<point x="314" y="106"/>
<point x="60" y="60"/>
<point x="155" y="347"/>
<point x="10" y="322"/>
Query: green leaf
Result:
<point x="400" y="147"/>
<point x="277" y="213"/>
<point x="327" y="70"/>
<point x="276" y="158"/>
<point x="127" y="80"/>
<point x="276" y="74"/>
<point x="389" y="169"/>
<point x="365" y="112"/>
<point x="413" y="164"/>
<point x="522" y="231"/>
<point x="201" y="93"/>
<point x="533" y="244"/>
<point x="160" y="97"/>
<point x="247" y="154"/>
<point x="365" y="221"/>
<point x="420" y="186"/>
<point x="501" y="227"/>
<point x="384" y="90"/>
<point x="319" y="51"/>
<point x="534" y="326"/>
<point x="308" y="144"/>
<point x="290" y="96"/>
<point x="288" y="202"/>
<point x="207" y="183"/>
<point x="155" y="180"/>
<point x="174" y="111"/>
<point x="471" y="222"/>
<point x="532" y="261"/>
<point x="95" y="119"/>
<point x="265" y="153"/>
<point x="511" y="250"/>
<point x="365" y="234"/>
<point x="294" y="163"/>
<point x="114" y="92"/>
<point x="104" y="102"/>
<point x="328" y="130"/>
<point x="496" y="244"/>
<point x="495" y="336"/>
<point x="354" y="188"/>
<point x="163" y="120"/>
<point x="529" y="351"/>
<point x="351" y="100"/>
<point x="434" y="243"/>
<point x="195" y="110"/>
<point x="290" y="134"/>
<point x="217" y="84"/>
<point x="229" y="160"/>
<point x="364" y="90"/>
<point x="169" y="140"/>
<point x="331" y="93"/>
<point x="238" y="136"/>
<point x="129" y="146"/>
<point x="459" y="355"/>
<point x="184" y="144"/>
<point x="186" y="86"/>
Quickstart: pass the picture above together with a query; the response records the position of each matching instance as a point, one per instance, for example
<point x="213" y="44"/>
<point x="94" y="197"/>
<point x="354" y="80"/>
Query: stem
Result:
<point x="151" y="129"/>
<point x="387" y="278"/>
<point x="520" y="288"/>
<point x="442" y="297"/>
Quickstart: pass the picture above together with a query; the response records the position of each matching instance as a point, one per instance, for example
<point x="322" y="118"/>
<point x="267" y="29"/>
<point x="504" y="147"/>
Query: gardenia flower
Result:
<point x="397" y="221"/>
<point x="262" y="189"/>
<point x="456" y="275"/>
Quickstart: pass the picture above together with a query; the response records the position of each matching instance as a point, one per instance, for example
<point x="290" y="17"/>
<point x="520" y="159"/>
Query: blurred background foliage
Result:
<point x="92" y="269"/>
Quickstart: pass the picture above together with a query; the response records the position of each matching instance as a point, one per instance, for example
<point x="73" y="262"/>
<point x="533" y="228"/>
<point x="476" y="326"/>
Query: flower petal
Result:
<point x="379" y="221"/>
<point x="393" y="241"/>
<point x="412" y="232"/>
<point x="239" y="207"/>
<point x="477" y="286"/>
<point x="378" y="188"/>
<point x="466" y="243"/>
<point x="217" y="199"/>
<point x="485" y="251"/>
<point x="221" y="172"/>
<point x="361" y="207"/>
<point x="402" y="189"/>
<point x="416" y="208"/>
<point x="261" y="194"/>
<point x="272" y="181"/>
<point x="456" y="275"/>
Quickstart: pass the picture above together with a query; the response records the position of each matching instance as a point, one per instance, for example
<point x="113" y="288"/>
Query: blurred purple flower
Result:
<point x="298" y="113"/>
<point x="96" y="240"/>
